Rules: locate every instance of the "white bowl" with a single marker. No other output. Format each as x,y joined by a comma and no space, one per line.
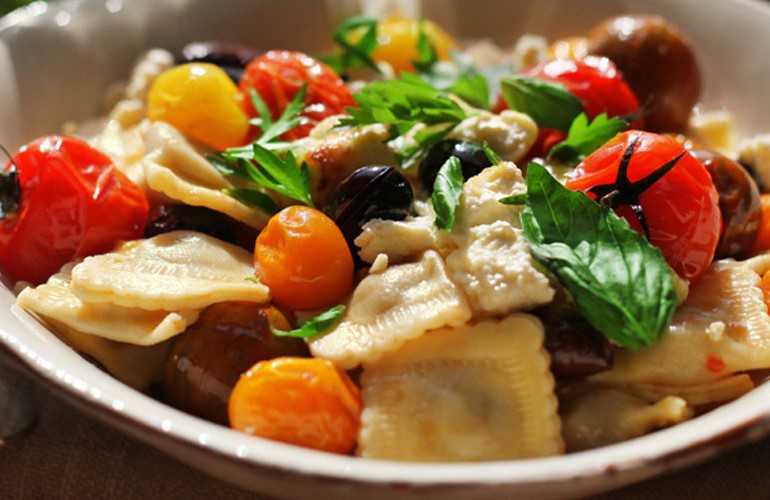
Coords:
56,62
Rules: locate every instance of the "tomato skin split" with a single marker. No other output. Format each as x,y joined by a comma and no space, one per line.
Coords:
681,208
74,203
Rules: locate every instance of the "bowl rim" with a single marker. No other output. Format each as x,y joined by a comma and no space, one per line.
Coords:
745,419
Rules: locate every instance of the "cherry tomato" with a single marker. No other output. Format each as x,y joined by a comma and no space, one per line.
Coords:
397,38
278,76
74,202
302,256
201,101
681,208
595,81
304,401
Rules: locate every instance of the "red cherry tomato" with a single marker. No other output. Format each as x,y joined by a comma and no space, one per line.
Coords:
279,74
681,208
595,81
74,203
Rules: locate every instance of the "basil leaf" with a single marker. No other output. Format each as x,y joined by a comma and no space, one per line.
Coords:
320,324
514,199
447,189
550,104
620,283
584,138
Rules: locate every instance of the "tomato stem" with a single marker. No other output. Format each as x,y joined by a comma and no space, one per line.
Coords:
625,192
10,189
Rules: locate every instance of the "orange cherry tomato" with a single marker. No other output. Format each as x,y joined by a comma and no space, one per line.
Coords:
302,256
278,76
308,402
681,208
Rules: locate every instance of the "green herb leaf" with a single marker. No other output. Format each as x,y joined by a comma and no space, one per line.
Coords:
254,198
514,199
447,189
289,119
584,138
320,324
356,54
550,104
620,283
426,51
492,156
402,104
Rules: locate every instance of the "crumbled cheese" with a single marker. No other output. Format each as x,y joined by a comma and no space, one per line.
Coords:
756,153
530,50
510,134
493,262
715,331
379,265
482,193
399,240
494,268
713,129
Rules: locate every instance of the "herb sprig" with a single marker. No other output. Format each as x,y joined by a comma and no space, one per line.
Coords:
358,53
315,326
585,137
549,104
403,104
447,189
259,164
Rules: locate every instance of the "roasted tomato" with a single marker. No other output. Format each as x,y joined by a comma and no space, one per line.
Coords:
596,82
279,75
679,211
63,199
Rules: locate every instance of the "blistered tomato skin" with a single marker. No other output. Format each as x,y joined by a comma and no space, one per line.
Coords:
302,256
306,402
74,203
681,208
278,75
201,101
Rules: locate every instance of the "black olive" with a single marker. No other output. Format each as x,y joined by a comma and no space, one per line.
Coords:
739,202
167,218
577,349
375,192
231,57
472,158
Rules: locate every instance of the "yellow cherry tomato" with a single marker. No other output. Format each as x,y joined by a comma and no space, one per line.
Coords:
397,38
202,102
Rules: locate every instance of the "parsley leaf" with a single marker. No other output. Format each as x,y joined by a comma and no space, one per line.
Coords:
550,104
584,138
319,324
620,283
447,189
402,104
254,198
268,170
354,54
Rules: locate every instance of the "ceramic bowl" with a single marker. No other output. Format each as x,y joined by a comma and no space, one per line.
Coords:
57,60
